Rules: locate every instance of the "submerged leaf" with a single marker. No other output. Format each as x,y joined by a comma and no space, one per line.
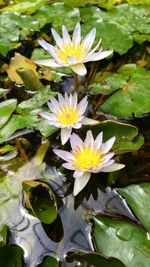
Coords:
40,201
11,256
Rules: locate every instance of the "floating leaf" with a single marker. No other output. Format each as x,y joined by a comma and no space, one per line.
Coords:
138,198
25,6
65,15
127,138
94,260
15,123
22,26
11,256
36,101
50,261
40,201
122,240
19,61
134,94
7,107
3,235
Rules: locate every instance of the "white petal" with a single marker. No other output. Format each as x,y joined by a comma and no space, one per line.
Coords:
88,121
81,182
93,50
100,55
53,123
108,145
78,174
98,140
67,156
53,108
77,125
61,100
65,134
113,167
89,39
47,62
89,140
48,116
75,141
82,105
48,47
68,166
57,38
76,37
107,158
71,60
65,34
54,102
80,69
75,100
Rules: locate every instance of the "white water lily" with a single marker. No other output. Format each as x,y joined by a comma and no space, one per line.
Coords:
73,52
66,114
90,156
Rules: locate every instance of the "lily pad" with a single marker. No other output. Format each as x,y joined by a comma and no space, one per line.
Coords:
7,107
94,260
24,6
11,256
134,94
127,138
36,101
50,261
138,198
22,25
122,240
40,201
3,235
19,61
65,15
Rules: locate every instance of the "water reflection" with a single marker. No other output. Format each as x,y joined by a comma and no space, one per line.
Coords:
28,232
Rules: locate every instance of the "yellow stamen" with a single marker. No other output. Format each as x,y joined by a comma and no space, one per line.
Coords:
87,158
68,116
72,51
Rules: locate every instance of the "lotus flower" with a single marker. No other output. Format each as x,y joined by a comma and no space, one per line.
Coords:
90,156
73,53
66,114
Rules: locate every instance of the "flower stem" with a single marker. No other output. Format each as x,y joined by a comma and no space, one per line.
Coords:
75,76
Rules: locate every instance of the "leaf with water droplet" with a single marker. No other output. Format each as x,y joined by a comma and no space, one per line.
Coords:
122,240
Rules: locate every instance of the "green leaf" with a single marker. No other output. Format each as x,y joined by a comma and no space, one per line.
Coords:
40,200
127,138
112,33
50,262
24,6
66,15
36,101
22,26
134,93
11,256
45,129
7,107
3,235
15,123
122,240
138,198
94,260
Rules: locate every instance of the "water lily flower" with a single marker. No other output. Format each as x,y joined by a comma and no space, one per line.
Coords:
90,156
73,52
66,114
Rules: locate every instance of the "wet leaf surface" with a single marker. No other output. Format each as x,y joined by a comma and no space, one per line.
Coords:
11,256
137,197
122,240
7,107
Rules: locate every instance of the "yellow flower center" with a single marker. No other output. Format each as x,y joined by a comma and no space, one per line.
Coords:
71,50
68,116
87,158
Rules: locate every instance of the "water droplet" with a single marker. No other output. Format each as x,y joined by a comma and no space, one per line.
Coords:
124,233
